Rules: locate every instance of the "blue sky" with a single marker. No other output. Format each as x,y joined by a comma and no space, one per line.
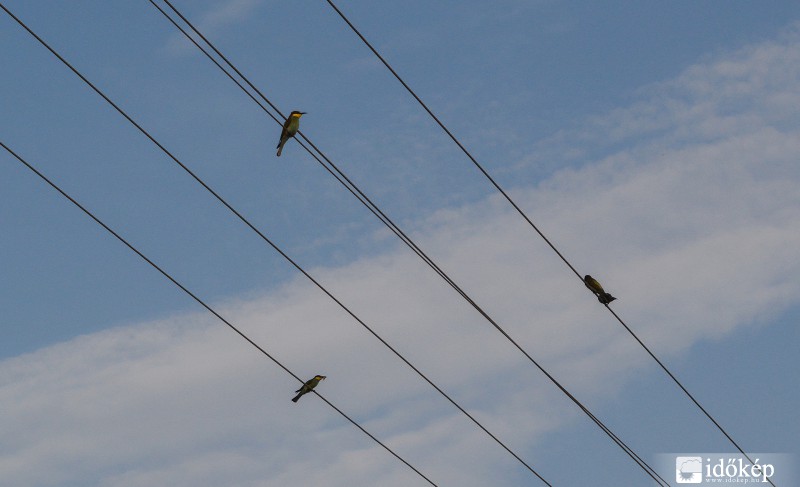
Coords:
655,143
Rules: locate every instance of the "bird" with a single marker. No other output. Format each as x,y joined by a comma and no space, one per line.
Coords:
290,127
307,387
597,289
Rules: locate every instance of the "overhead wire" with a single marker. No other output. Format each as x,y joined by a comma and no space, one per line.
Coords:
366,201
203,303
270,242
278,120
527,219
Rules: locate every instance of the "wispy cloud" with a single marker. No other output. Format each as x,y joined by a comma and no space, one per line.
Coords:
690,219
221,16
753,88
228,13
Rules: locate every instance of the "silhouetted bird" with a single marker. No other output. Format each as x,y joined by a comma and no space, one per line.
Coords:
597,289
306,388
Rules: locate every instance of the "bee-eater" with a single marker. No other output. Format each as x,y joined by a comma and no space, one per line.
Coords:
290,127
306,388
597,289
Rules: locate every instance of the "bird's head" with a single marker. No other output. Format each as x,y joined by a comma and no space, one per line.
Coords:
587,277
297,114
320,377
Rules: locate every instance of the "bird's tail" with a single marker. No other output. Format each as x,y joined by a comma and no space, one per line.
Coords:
297,397
280,148
606,298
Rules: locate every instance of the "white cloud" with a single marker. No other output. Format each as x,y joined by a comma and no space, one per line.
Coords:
692,223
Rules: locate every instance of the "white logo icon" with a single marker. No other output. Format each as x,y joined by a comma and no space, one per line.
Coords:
689,470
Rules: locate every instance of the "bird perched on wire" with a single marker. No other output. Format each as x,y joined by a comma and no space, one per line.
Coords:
290,127
597,289
307,387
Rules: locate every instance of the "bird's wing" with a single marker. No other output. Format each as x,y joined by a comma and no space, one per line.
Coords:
595,286
285,129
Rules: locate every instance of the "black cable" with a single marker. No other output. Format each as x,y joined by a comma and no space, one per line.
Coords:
681,386
203,303
522,213
268,241
366,201
333,170
278,119
452,137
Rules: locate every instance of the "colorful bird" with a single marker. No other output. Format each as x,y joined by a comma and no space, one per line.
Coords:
597,289
308,386
290,127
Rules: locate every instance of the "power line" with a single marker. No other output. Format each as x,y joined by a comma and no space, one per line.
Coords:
522,213
332,172
327,164
272,244
203,303
452,137
681,386
347,183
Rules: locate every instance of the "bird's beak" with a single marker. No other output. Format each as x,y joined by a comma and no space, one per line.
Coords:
323,377
303,113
